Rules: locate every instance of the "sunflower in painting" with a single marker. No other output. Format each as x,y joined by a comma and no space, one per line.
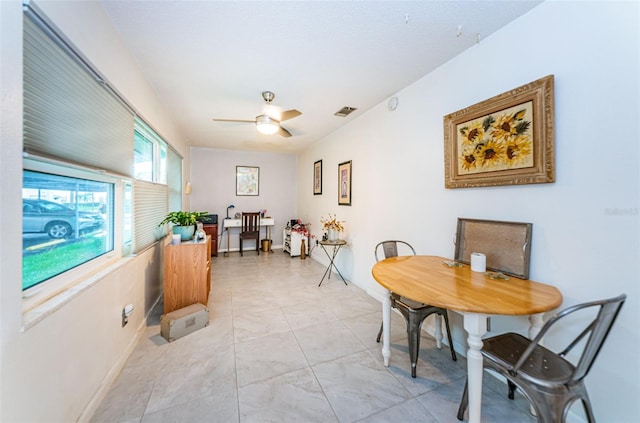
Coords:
518,150
497,142
472,133
491,154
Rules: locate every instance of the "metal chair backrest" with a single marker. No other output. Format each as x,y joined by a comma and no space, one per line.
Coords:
390,248
250,222
597,331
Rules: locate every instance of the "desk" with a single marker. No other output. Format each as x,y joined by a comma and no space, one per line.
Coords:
428,280
267,222
336,247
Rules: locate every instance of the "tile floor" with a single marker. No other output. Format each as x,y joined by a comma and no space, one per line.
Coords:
281,349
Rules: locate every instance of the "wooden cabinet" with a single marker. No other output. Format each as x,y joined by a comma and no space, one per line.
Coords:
212,229
292,242
187,274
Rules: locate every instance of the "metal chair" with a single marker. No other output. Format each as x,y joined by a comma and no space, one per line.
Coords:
549,381
414,312
250,230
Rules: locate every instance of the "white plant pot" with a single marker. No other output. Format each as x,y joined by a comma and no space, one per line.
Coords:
332,234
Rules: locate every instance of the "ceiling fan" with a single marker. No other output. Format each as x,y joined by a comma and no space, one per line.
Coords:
266,124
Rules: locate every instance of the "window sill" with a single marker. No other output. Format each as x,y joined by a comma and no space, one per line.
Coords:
33,316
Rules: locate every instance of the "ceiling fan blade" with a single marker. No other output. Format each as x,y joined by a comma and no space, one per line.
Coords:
234,120
289,114
283,132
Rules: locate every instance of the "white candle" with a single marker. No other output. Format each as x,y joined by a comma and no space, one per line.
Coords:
478,262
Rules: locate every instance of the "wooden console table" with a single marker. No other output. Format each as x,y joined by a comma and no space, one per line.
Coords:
187,274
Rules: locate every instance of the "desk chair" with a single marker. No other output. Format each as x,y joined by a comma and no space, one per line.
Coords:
414,312
549,381
250,230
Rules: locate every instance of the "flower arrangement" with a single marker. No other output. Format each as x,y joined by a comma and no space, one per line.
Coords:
262,212
332,223
302,228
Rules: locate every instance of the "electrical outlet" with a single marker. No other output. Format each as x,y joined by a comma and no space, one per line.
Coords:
126,312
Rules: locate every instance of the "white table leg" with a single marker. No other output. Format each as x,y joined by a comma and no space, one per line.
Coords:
535,324
438,332
476,326
386,325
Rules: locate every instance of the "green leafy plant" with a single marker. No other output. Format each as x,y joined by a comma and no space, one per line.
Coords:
183,218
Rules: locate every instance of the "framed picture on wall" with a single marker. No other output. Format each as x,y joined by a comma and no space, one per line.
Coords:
344,184
247,180
317,178
505,140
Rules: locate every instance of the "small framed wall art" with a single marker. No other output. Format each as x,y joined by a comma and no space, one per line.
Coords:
344,184
247,180
505,140
317,178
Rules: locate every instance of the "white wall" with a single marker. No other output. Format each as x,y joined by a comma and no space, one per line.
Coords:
213,180
585,225
53,370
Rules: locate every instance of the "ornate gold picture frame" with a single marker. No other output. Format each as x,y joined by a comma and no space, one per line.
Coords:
505,140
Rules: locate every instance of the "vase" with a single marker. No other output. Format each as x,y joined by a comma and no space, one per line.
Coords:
185,232
332,234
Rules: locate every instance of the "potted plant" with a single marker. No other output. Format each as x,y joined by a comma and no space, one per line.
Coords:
333,226
183,222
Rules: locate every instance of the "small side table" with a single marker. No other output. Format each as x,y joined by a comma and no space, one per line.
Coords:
336,247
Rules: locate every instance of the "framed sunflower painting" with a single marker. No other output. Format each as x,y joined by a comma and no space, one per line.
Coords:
505,140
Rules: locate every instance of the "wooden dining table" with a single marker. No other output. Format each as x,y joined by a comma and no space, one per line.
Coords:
444,283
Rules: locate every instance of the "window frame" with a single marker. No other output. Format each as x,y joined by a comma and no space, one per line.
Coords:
40,293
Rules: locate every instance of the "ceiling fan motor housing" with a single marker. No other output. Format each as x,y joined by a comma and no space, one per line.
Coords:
268,96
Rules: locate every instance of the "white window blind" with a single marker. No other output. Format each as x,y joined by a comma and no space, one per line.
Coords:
150,206
70,113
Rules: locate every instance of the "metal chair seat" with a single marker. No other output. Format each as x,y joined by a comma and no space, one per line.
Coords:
549,381
543,367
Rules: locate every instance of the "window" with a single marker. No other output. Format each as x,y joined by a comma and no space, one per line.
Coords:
127,219
82,209
143,158
150,154
66,222
154,166
72,195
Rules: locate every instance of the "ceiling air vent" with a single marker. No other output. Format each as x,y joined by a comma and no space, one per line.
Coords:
345,111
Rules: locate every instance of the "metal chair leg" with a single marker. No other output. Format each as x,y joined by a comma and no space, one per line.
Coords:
446,326
512,389
413,331
464,402
379,333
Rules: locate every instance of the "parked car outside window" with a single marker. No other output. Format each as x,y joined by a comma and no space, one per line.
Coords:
56,220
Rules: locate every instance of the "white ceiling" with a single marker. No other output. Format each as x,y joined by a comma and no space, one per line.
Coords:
209,59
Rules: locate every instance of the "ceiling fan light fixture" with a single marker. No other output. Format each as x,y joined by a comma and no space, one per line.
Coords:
267,125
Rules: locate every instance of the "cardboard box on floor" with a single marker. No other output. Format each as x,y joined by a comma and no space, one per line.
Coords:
184,321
